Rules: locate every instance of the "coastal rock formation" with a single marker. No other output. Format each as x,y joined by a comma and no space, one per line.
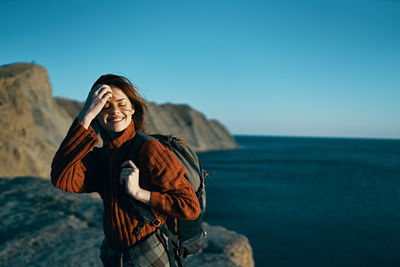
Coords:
189,124
34,123
224,249
43,226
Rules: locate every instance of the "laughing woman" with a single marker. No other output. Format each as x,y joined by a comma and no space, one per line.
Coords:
157,179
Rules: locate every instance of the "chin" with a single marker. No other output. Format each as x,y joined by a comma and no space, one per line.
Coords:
117,129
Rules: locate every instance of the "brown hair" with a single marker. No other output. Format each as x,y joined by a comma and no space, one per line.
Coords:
131,92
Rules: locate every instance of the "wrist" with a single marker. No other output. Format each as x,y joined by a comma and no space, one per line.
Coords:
143,196
85,119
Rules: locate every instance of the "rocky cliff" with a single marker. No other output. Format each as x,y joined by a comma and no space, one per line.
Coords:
191,125
33,123
43,226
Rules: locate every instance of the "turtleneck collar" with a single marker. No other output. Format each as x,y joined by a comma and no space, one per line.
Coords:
128,134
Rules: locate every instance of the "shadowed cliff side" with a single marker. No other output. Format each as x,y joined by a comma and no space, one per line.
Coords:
43,226
34,123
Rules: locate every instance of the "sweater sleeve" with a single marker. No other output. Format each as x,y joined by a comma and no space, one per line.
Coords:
173,194
74,167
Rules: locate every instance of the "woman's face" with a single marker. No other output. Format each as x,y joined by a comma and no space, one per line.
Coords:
116,114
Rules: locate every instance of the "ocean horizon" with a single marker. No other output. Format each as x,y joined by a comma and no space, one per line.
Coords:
235,136
309,201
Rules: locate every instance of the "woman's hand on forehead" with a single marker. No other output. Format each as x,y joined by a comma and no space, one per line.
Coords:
95,102
101,87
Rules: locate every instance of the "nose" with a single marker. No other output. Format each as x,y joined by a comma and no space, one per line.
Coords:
114,109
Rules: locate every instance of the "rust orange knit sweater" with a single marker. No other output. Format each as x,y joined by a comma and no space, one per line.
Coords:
80,167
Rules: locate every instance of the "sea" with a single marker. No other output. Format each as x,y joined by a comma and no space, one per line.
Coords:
309,201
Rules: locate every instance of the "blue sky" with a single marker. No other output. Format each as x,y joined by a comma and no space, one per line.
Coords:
297,68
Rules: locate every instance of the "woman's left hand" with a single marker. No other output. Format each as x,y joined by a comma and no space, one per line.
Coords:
130,177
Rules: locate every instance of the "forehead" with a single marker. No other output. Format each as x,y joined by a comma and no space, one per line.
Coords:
118,94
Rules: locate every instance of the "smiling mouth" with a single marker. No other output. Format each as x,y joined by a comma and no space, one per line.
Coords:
115,120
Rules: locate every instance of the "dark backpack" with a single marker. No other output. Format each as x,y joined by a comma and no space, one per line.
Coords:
185,237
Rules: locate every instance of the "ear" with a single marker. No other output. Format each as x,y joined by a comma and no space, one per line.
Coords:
133,109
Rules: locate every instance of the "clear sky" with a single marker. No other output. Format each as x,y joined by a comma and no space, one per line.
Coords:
302,68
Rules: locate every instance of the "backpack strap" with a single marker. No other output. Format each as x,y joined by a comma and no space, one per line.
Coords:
138,209
143,213
137,143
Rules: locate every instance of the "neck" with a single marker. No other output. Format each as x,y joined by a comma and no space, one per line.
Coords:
114,135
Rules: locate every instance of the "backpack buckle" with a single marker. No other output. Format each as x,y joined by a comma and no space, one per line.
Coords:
156,222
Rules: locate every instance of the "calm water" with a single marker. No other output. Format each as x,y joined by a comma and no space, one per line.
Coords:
310,201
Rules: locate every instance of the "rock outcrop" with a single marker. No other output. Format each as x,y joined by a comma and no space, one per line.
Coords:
43,226
224,249
34,123
189,124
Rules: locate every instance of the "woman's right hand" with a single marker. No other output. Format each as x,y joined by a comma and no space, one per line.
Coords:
95,101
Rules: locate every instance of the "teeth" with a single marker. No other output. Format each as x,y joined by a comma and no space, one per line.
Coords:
115,120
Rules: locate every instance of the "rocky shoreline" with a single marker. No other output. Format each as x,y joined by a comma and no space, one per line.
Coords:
43,226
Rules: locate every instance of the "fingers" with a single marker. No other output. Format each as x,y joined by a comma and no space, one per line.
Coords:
128,168
129,164
104,90
128,171
104,98
96,88
101,93
104,93
100,90
123,179
126,174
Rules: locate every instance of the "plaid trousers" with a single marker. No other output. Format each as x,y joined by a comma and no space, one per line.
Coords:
148,252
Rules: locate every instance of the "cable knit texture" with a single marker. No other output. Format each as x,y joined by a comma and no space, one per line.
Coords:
80,167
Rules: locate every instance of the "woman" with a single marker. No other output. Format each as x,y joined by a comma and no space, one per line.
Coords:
157,180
